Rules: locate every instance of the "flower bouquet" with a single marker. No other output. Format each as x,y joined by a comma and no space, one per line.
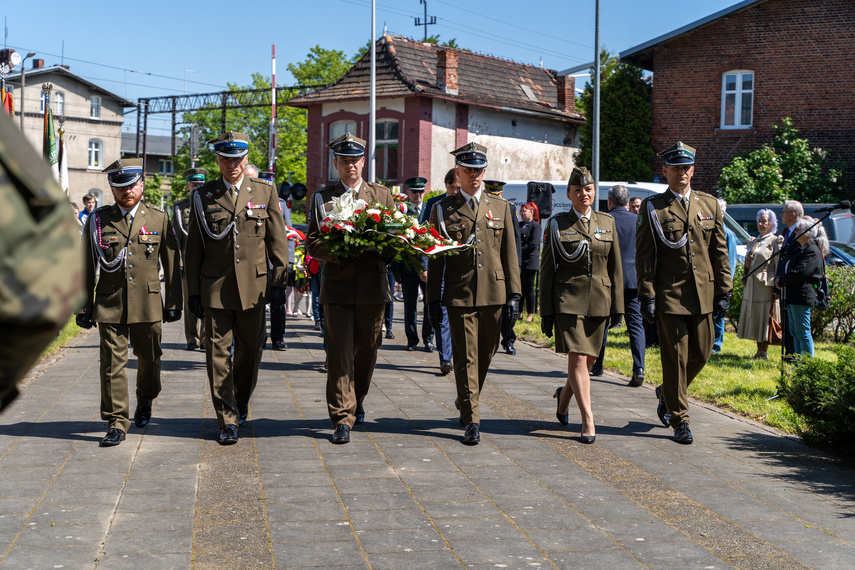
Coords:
354,226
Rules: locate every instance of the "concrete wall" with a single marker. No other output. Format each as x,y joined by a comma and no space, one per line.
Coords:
443,138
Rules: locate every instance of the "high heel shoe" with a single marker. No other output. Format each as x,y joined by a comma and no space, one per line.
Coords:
587,438
563,419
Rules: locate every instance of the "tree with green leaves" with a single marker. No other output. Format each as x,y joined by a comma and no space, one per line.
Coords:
786,169
626,152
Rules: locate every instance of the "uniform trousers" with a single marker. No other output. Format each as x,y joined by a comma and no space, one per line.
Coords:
353,336
145,338
278,319
635,328
194,328
410,286
474,341
232,379
685,343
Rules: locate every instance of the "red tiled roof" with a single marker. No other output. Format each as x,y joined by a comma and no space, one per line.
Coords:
407,67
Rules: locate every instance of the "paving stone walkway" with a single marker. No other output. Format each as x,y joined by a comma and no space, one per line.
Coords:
405,493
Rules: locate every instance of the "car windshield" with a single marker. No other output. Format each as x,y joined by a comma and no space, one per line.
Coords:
742,236
845,251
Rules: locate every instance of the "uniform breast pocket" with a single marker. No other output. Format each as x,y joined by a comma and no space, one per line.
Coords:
604,245
494,230
256,224
673,231
456,230
217,220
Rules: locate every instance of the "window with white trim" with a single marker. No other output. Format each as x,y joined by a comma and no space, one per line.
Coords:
386,131
95,150
59,103
164,166
95,107
737,99
337,129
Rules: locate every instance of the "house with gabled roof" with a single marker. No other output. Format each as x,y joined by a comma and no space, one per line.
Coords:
721,82
432,99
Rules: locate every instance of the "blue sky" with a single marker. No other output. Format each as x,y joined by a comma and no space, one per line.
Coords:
149,49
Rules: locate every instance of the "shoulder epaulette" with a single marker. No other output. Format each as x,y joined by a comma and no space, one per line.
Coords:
181,202
378,186
326,188
262,180
102,208
606,214
205,185
153,207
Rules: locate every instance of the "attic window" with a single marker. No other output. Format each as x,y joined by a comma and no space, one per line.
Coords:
528,93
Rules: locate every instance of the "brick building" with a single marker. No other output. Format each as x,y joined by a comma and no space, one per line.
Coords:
719,83
432,99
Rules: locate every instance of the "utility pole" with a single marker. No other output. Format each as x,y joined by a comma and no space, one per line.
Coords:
428,21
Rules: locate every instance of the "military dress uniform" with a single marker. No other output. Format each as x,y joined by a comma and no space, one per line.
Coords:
474,284
233,231
354,293
127,303
194,327
682,263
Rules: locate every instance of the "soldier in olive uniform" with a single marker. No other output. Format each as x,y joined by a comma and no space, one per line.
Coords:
124,242
194,328
354,293
475,284
41,264
581,288
235,226
683,280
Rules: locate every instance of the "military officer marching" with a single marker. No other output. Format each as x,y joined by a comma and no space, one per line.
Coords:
684,280
194,328
235,227
124,243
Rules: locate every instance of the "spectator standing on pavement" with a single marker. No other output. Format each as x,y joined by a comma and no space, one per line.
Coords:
475,284
581,291
194,327
124,243
235,228
530,234
625,223
354,293
441,331
793,211
803,269
758,293
732,244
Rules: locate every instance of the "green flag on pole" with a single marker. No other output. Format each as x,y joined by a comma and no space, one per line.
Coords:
50,148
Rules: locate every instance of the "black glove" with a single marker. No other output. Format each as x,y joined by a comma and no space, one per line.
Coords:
84,321
513,307
546,324
194,303
277,297
171,316
397,276
615,321
648,309
434,310
721,305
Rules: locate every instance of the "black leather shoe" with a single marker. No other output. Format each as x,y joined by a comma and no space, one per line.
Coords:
228,435
682,433
390,334
341,434
279,345
360,414
509,348
472,435
662,409
242,414
411,347
317,326
142,415
191,346
587,438
563,419
445,367
637,378
114,437
597,371
429,347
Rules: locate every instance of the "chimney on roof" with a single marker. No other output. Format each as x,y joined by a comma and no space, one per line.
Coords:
567,93
38,63
446,71
6,56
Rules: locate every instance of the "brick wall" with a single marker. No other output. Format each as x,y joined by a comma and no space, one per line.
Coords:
416,138
801,55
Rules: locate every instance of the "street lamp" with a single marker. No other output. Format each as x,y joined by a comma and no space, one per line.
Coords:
23,84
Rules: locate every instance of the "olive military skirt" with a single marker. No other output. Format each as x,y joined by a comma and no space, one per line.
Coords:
579,334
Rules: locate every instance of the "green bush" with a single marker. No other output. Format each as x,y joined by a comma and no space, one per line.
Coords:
823,394
736,296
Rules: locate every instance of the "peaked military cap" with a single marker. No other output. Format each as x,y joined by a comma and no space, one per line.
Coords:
266,175
471,155
195,174
124,172
580,177
494,187
416,183
231,145
347,145
678,154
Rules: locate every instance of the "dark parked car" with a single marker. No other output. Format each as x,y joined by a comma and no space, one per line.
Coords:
841,254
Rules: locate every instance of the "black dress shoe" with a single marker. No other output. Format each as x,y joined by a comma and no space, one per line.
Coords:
279,345
142,415
682,433
662,409
587,438
637,378
390,334
597,371
242,414
429,347
191,346
472,435
114,437
563,419
360,414
509,348
411,347
228,435
341,434
317,326
445,367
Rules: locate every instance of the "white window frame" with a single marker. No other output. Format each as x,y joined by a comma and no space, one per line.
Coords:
95,107
738,94
165,166
59,103
98,146
383,167
337,129
42,99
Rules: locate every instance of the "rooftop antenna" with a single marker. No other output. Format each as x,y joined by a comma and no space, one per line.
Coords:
428,21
